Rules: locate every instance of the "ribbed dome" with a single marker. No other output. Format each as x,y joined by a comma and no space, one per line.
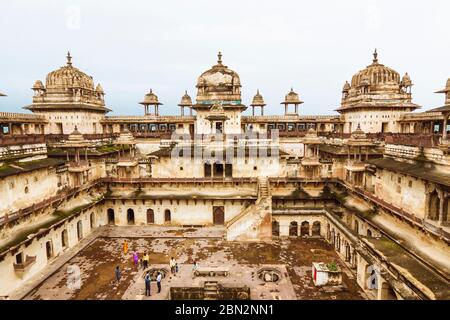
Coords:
150,99
375,74
67,88
69,77
185,100
258,99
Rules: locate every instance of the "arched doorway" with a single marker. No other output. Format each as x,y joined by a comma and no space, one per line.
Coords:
347,252
64,239
167,216
275,228
328,232
293,229
92,220
111,218
369,233
49,249
130,216
433,209
150,216
218,215
304,229
316,229
356,227
80,230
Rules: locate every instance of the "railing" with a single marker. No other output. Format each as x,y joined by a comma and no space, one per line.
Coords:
21,139
29,260
40,205
52,138
20,116
179,180
416,140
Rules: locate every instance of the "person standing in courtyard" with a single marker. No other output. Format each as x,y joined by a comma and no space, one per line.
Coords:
145,260
118,274
125,247
135,258
172,265
194,269
158,281
147,284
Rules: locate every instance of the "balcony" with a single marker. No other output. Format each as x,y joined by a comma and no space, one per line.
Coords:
127,162
22,268
352,165
80,166
311,161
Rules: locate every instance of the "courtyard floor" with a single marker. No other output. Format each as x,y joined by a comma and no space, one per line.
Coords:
97,261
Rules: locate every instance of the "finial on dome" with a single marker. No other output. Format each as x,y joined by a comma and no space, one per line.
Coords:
219,58
257,91
69,59
375,56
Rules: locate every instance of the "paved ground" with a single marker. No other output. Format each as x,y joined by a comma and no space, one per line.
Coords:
291,257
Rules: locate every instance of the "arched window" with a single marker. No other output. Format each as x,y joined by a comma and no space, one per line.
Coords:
316,229
92,220
64,239
293,229
275,228
80,230
49,249
304,229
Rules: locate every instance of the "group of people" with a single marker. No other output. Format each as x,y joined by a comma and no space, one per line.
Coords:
148,282
173,266
144,262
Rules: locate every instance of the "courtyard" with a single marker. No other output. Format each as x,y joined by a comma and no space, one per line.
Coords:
98,258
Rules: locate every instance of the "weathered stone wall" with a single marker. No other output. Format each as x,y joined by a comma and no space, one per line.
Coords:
402,191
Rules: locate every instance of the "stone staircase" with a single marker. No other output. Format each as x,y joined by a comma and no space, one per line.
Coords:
254,222
211,290
263,188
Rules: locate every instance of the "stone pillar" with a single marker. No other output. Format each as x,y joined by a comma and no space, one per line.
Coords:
444,127
441,206
284,230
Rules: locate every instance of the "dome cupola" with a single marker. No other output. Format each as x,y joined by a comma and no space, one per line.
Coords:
67,88
219,84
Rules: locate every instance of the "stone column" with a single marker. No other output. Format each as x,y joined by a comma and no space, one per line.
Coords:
444,126
441,206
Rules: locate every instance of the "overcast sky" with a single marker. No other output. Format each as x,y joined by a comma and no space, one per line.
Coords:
313,46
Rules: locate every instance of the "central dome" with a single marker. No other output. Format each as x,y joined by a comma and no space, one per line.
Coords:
69,77
375,75
219,85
